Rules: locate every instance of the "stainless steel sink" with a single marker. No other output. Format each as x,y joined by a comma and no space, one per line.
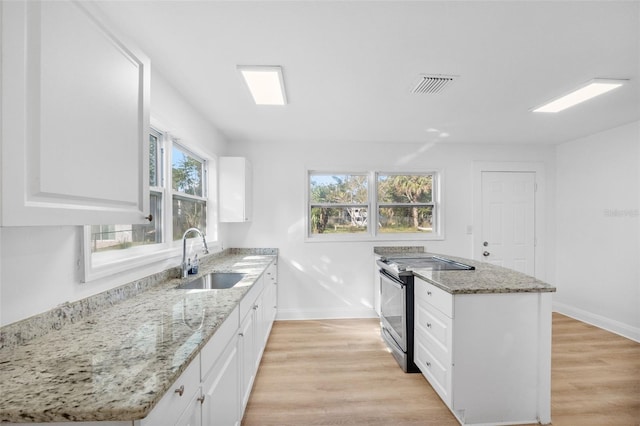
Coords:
213,281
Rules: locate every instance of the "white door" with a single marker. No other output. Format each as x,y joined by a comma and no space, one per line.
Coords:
508,220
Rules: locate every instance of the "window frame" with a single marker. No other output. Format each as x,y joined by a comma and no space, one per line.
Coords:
113,262
372,233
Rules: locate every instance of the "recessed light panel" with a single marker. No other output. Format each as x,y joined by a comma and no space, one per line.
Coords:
265,84
593,88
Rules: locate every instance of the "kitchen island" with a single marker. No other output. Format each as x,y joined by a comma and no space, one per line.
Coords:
482,339
117,363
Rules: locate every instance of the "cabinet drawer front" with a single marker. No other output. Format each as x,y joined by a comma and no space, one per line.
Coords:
434,296
218,342
437,374
434,328
249,300
177,398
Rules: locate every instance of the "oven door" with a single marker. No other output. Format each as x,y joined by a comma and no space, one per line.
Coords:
393,317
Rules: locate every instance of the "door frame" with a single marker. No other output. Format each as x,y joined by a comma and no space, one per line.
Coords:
539,207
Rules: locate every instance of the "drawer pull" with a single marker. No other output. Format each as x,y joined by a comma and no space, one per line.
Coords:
241,334
428,325
428,364
428,293
180,390
201,399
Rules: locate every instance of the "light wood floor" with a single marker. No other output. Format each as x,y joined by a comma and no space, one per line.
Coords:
338,372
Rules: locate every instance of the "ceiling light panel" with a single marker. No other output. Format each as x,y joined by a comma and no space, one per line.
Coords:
265,84
591,89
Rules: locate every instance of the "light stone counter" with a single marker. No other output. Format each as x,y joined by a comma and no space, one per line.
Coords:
117,363
486,278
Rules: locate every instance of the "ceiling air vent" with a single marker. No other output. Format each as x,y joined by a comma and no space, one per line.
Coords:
434,83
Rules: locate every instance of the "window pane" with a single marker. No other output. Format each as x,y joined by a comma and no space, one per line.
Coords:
338,220
340,189
118,237
187,214
405,188
153,160
405,219
186,172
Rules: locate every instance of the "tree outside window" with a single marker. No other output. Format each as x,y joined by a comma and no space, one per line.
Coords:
189,202
338,203
405,203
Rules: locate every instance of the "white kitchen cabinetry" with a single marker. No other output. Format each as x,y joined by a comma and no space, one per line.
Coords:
235,189
376,284
220,376
487,355
250,343
270,300
75,118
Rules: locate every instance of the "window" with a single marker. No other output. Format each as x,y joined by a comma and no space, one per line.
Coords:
178,201
189,197
373,205
338,203
405,203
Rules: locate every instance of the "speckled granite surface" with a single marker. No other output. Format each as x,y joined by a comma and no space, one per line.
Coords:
387,250
117,363
486,278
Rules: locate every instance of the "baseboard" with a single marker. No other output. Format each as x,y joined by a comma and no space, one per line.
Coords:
624,330
312,314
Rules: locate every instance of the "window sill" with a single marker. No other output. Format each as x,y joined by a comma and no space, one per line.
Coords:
364,238
97,267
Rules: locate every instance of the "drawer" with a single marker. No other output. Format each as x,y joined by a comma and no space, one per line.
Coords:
249,299
437,374
219,341
434,328
177,398
433,295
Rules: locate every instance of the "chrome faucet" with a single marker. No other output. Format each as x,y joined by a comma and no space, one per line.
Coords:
185,272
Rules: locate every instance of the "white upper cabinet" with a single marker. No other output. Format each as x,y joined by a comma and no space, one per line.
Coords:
235,189
75,118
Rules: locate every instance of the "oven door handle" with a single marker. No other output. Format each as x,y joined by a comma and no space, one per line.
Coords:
391,280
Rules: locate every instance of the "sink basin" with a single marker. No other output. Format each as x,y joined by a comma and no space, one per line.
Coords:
213,281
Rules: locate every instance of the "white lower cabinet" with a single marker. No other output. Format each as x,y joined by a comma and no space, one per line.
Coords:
488,356
221,389
169,410
192,415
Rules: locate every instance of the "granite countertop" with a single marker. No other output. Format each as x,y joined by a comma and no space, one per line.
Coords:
117,363
486,278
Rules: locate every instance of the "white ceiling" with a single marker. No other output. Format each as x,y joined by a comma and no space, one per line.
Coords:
349,66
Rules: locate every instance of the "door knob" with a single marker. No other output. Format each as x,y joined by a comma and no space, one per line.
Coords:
485,253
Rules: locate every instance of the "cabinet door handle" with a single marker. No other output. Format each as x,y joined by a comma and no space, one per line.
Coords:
201,399
428,293
180,390
428,325
255,307
428,364
241,334
149,218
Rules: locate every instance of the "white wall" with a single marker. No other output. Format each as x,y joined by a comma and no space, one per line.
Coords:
323,279
598,217
40,267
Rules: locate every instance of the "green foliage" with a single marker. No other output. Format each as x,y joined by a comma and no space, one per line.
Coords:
187,176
